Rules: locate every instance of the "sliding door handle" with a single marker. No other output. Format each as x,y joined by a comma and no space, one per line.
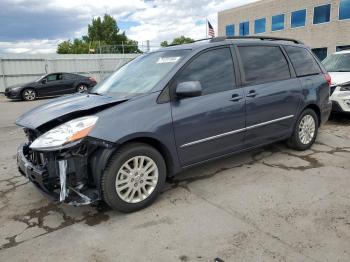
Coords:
251,93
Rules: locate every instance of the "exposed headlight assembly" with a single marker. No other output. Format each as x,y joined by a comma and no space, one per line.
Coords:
64,134
345,88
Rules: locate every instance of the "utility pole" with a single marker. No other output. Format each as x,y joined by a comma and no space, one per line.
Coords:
148,46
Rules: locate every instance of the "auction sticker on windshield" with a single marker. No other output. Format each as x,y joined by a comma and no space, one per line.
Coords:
164,60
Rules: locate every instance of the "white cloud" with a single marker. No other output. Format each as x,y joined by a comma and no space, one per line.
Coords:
156,20
30,47
174,18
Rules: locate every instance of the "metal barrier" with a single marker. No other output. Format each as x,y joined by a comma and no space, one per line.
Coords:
17,69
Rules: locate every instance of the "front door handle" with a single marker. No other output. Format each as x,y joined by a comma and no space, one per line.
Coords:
251,93
236,97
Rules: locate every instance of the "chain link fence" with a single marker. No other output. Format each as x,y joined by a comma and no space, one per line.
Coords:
125,49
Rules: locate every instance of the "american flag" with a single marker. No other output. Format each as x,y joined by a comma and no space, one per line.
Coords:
211,31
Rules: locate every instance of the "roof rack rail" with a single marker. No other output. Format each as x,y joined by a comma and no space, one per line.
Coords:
262,38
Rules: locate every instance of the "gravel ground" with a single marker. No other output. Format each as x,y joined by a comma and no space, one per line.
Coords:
270,204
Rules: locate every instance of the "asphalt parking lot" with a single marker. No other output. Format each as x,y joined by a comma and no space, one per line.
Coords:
270,204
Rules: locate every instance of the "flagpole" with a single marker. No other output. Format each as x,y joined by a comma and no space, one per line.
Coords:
206,27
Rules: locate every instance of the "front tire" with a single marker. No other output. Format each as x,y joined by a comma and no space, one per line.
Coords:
305,131
28,94
133,177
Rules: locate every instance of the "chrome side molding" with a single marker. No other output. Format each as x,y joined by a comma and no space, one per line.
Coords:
236,131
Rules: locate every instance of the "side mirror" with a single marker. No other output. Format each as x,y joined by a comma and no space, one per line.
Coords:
189,89
43,81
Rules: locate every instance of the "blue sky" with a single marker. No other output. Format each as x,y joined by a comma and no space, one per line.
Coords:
37,26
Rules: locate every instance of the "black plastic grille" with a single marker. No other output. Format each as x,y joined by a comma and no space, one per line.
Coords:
332,89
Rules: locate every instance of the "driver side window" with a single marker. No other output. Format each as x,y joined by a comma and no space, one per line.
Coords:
213,69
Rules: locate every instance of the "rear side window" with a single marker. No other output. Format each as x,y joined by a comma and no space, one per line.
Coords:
69,76
263,64
303,62
213,69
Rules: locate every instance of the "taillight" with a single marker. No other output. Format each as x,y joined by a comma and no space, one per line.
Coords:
328,78
93,79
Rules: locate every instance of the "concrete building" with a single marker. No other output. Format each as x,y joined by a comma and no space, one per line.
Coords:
324,25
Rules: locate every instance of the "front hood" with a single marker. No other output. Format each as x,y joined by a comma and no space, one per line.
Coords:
65,106
339,78
20,85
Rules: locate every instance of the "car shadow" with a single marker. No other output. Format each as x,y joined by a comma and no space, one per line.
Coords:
37,99
340,119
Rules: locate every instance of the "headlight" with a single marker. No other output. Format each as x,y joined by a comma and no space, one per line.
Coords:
345,88
65,133
15,88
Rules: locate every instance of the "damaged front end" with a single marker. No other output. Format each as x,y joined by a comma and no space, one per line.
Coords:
69,175
59,157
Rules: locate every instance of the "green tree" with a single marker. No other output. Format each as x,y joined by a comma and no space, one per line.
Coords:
178,41
65,47
103,36
164,44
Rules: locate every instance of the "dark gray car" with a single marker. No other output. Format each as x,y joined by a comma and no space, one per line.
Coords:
54,84
169,110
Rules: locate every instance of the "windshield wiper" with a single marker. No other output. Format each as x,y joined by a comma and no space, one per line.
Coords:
340,70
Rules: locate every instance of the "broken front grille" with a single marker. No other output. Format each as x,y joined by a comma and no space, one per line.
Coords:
34,157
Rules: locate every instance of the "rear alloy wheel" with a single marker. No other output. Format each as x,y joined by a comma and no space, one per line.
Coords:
307,128
82,88
28,94
133,177
305,132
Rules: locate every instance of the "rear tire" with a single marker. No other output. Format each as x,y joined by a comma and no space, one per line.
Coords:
305,131
28,94
133,177
81,88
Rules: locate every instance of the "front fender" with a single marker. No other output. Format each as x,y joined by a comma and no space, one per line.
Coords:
139,118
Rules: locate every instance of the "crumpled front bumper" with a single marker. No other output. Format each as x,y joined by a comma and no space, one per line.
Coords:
36,175
53,179
341,101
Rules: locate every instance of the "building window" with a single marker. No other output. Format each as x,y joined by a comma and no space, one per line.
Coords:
298,18
230,30
343,47
322,14
277,22
321,53
260,26
344,9
244,28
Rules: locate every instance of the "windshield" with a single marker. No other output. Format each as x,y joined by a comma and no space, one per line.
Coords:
38,79
141,74
337,63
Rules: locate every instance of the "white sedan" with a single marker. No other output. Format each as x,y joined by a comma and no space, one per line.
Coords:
338,66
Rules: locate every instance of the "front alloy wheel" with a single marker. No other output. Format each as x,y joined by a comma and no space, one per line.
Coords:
136,179
28,95
133,177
